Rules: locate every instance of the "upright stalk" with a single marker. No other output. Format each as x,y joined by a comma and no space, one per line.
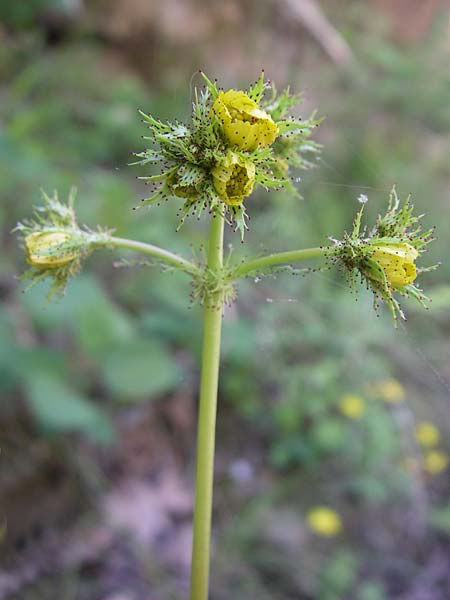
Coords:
212,326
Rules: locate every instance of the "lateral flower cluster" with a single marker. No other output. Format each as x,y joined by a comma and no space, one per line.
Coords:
55,245
385,257
235,141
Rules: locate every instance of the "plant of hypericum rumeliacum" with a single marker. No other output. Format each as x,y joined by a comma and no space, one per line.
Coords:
236,140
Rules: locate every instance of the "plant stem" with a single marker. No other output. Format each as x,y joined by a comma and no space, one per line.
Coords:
279,258
212,325
164,255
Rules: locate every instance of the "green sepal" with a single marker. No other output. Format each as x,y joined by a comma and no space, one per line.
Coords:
256,91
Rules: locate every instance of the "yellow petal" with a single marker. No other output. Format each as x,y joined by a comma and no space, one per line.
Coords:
401,250
244,124
234,179
46,249
397,262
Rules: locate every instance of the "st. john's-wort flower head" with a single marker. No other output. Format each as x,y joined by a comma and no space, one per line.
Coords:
192,158
385,257
55,244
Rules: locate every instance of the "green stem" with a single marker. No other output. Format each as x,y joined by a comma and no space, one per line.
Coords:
164,255
212,325
271,260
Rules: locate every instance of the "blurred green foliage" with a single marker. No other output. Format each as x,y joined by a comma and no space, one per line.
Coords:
22,15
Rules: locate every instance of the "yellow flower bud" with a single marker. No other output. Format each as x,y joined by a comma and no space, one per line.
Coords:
244,124
397,262
45,249
427,434
234,179
352,406
435,461
324,521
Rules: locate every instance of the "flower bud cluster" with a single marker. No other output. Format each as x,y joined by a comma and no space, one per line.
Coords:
55,244
385,257
235,141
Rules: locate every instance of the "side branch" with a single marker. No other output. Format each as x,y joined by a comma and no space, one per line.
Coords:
166,256
279,258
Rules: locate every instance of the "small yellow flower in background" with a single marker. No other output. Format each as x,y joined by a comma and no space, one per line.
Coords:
390,390
46,250
427,434
435,461
244,124
324,521
397,262
234,179
352,406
